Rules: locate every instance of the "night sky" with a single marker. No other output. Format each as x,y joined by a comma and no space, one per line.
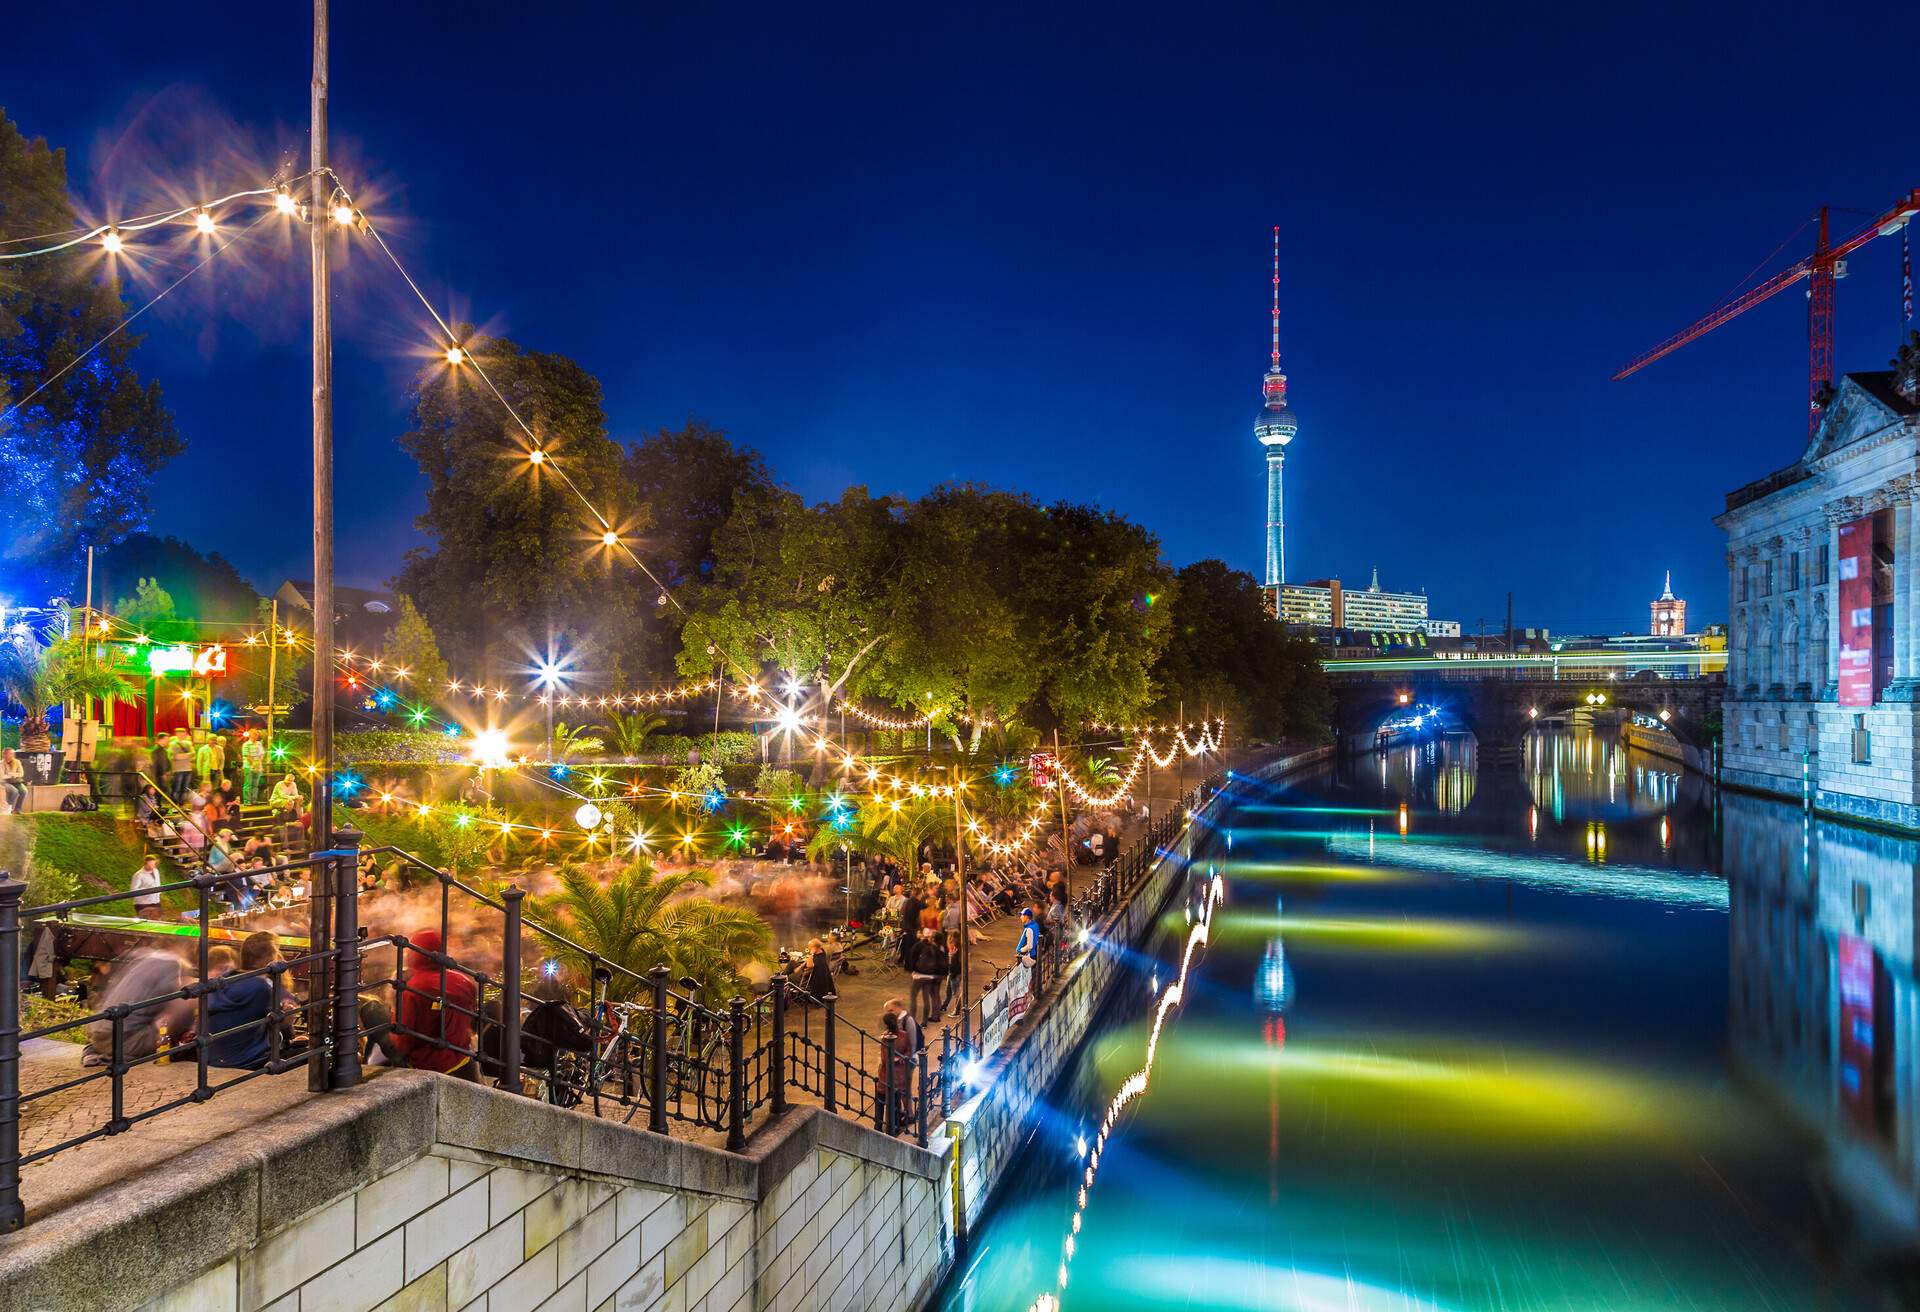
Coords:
904,244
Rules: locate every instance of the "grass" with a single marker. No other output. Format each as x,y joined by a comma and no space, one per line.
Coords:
98,852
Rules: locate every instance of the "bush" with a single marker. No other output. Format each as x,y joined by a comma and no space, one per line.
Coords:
365,747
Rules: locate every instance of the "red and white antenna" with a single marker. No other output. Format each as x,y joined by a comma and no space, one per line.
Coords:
1276,298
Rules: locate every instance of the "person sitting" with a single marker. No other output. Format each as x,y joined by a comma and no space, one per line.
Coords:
148,981
438,1005
146,810
239,1014
819,971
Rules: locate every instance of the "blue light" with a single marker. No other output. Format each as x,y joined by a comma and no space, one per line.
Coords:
1004,775
715,800
453,731
559,770
346,784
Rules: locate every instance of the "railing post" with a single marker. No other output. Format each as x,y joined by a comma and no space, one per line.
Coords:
12,1213
510,991
946,1069
920,1107
203,889
657,1108
320,970
777,1078
833,1070
737,1074
344,1068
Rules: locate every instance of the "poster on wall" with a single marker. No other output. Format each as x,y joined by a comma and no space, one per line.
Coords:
1855,566
1856,1031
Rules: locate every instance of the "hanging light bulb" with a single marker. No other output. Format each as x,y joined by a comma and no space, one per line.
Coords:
343,214
609,539
283,200
110,241
537,456
457,356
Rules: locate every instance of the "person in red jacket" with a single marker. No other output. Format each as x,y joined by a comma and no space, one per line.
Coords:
430,997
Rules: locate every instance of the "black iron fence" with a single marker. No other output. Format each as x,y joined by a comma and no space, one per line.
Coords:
646,1048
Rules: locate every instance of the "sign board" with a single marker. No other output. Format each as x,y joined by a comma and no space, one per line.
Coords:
1855,566
1857,1094
1003,1004
204,662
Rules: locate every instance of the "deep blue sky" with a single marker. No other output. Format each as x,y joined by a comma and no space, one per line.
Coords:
901,244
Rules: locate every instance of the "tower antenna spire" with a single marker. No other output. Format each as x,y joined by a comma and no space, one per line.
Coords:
1276,298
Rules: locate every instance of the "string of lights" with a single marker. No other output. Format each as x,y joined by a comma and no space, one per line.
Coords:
201,216
1208,741
1131,1088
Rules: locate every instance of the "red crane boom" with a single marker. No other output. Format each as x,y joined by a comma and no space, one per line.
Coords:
1821,267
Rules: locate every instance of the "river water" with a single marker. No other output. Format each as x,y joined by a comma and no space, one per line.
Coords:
1566,1035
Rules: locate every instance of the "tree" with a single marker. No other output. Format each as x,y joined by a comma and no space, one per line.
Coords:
805,590
511,531
630,733
209,586
689,480
414,649
39,678
642,918
78,454
1226,656
150,611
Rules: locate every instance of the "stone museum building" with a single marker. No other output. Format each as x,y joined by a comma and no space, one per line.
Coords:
1823,573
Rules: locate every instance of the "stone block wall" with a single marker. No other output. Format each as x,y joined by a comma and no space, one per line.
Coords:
1768,743
441,1195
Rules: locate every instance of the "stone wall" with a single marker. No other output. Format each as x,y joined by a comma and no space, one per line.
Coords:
417,1192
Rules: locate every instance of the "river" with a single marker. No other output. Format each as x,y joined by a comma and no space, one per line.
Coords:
1565,1036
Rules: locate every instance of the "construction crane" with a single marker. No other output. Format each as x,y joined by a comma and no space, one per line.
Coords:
1827,262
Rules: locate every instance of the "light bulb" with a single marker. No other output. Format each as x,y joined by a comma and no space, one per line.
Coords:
537,456
609,538
203,222
455,355
283,201
110,240
343,214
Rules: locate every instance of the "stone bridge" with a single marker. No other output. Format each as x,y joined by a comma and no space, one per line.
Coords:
1500,705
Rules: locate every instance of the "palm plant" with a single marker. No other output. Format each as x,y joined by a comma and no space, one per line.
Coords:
630,733
570,740
41,678
1102,774
641,918
895,829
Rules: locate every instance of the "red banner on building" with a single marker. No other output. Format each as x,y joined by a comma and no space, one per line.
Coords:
1857,1094
1856,612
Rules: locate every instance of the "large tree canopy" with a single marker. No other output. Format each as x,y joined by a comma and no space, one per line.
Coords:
517,563
1226,657
78,453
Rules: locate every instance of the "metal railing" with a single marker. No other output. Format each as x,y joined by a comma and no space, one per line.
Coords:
644,1047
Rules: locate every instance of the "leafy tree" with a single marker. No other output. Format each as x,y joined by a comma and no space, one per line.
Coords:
508,530
414,648
207,587
642,918
571,740
689,479
805,590
1226,656
77,452
150,611
39,678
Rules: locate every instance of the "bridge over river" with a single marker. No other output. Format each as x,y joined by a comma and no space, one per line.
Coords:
1500,698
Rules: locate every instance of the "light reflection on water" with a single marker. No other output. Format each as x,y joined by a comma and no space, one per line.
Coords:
1498,1063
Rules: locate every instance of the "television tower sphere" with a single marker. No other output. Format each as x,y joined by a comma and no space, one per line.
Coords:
1276,425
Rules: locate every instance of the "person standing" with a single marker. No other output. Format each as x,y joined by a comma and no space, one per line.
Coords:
910,908
929,966
948,1001
217,744
253,765
179,765
1027,947
146,889
204,769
